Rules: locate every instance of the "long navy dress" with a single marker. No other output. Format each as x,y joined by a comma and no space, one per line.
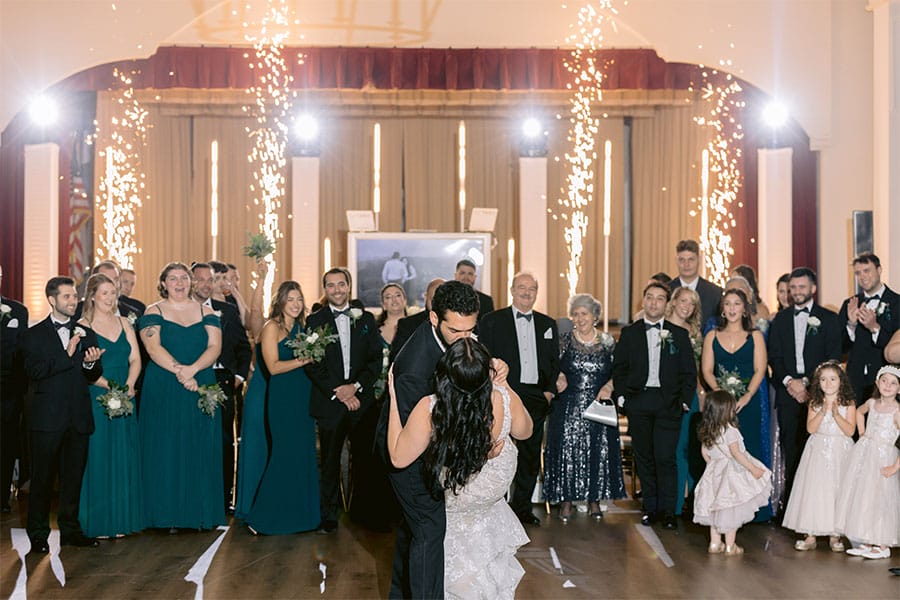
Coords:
582,458
181,446
287,500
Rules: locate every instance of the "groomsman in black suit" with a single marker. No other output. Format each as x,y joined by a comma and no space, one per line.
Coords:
801,338
418,570
343,383
13,323
231,367
466,273
687,256
654,374
528,342
127,280
407,325
868,320
60,360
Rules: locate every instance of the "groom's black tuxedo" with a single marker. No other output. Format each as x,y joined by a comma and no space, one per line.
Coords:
865,353
61,421
654,413
334,420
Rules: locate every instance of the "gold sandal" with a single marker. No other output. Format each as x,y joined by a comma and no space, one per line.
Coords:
733,550
716,548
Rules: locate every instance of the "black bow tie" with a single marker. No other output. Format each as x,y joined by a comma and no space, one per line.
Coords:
523,316
649,326
875,297
797,311
66,325
345,312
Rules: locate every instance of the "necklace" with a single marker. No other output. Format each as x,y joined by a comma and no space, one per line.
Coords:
591,342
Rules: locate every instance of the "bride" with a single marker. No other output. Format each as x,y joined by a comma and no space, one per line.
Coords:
462,433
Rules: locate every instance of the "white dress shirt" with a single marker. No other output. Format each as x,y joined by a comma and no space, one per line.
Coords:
527,347
801,321
342,322
654,347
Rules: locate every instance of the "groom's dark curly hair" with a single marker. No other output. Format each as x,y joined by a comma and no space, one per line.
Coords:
461,419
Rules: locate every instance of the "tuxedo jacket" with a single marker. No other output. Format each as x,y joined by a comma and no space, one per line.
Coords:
865,355
327,374
485,304
12,371
677,368
497,331
60,382
236,352
405,328
820,346
710,295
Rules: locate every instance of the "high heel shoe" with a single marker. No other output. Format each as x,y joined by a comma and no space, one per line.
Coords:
716,548
804,545
836,544
565,512
596,512
733,550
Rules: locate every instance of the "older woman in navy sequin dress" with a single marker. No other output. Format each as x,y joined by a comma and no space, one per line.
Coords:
582,458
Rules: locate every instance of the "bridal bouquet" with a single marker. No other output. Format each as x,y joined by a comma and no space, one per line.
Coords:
260,246
731,382
312,344
211,397
116,402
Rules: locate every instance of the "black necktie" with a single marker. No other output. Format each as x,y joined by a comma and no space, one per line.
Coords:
649,326
521,316
797,311
345,312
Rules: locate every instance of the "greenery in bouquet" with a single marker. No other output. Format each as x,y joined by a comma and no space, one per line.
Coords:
260,246
116,402
211,398
312,344
731,382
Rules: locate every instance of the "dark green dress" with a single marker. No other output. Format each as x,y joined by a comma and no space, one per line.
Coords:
254,449
112,500
181,453
287,500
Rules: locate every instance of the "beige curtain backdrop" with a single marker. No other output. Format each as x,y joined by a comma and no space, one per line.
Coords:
666,152
430,173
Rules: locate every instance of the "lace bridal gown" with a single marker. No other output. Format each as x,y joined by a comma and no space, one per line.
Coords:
483,533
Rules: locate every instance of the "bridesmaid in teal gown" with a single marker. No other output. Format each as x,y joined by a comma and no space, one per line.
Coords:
254,449
181,446
111,491
736,346
287,499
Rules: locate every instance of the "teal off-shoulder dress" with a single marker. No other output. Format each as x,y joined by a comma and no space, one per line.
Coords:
181,447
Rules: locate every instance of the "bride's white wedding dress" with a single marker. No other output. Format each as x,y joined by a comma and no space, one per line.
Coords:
483,533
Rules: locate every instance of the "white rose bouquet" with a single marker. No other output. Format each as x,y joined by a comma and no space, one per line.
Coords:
312,344
731,382
116,402
211,398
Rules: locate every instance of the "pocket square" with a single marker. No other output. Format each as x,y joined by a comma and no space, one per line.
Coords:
13,323
548,335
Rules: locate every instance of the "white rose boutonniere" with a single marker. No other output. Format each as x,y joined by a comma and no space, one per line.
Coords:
666,341
217,313
5,310
355,314
132,318
883,310
812,325
79,332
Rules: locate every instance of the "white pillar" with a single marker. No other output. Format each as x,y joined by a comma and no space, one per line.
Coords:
40,256
306,262
531,242
775,238
886,126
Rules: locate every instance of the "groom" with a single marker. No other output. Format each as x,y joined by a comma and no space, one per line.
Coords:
418,570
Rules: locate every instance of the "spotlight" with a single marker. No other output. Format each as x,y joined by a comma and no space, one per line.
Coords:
43,111
306,128
533,138
531,128
775,114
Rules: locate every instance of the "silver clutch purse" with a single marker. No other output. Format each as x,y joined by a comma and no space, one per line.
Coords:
602,411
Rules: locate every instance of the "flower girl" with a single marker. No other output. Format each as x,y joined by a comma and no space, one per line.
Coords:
831,422
735,485
868,508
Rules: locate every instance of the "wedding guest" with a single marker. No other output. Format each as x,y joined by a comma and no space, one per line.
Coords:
14,322
582,458
60,361
407,325
233,292
687,255
868,320
231,368
127,281
801,338
343,384
125,306
287,499
466,272
112,500
654,375
181,452
528,342
761,310
684,310
783,290
734,359
660,277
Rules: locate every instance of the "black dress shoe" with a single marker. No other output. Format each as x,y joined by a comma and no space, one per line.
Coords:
528,519
648,518
80,541
895,570
669,521
327,526
39,547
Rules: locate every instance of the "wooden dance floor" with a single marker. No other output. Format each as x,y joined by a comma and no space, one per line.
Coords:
615,558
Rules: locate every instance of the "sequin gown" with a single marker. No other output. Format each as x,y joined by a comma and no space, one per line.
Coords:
483,533
582,458
812,506
869,505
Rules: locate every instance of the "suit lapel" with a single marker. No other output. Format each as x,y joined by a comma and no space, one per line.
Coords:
513,330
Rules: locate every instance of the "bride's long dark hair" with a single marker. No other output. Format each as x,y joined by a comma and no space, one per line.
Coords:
461,419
